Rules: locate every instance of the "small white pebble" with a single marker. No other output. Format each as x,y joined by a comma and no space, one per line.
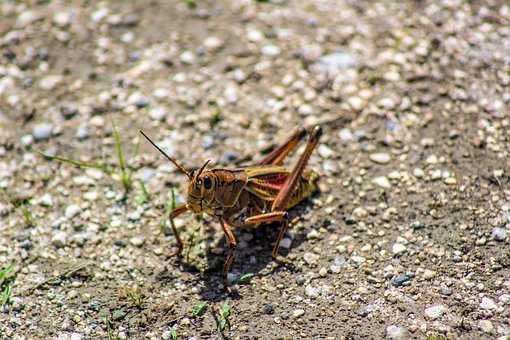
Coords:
285,243
325,151
418,173
380,158
310,258
486,326
59,240
398,248
488,303
137,241
187,57
312,234
323,272
72,210
46,200
297,313
434,312
311,292
382,181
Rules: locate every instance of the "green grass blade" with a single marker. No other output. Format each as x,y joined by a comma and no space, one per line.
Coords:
125,173
224,313
5,272
199,309
173,334
79,164
245,278
6,295
118,147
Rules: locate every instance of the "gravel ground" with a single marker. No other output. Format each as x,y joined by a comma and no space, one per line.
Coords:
408,238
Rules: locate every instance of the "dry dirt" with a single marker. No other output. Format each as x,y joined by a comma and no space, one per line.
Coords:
408,237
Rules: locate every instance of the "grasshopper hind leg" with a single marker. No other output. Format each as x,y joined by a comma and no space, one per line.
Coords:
284,196
278,155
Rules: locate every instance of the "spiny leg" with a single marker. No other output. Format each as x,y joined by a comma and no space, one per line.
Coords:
176,212
277,156
289,186
275,216
232,244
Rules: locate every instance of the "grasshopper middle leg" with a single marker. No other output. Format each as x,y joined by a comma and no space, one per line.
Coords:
232,245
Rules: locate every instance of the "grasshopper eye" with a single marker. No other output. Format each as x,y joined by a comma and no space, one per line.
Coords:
207,183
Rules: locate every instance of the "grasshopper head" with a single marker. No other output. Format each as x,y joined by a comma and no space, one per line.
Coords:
200,186
201,189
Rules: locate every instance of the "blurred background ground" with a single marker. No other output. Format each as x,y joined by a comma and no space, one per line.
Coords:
407,239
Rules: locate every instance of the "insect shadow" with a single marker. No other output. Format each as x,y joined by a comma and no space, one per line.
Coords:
253,259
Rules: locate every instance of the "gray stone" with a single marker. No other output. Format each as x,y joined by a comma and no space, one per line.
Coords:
72,210
398,248
499,234
332,64
382,181
59,240
486,326
312,234
82,132
158,113
325,151
285,243
27,140
99,15
380,158
400,280
42,131
312,292
187,57
397,332
271,50
48,83
46,200
345,135
63,19
298,313
76,336
435,312
310,258
213,43
231,94
488,303
26,18
338,263
137,241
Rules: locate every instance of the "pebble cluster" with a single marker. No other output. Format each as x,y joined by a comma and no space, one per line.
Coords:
409,237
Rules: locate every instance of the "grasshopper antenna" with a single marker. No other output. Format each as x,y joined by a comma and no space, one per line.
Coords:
203,167
180,167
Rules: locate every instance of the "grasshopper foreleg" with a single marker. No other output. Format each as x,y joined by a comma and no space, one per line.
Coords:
176,212
232,245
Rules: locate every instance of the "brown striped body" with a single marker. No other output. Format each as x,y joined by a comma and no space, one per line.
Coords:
252,195
238,194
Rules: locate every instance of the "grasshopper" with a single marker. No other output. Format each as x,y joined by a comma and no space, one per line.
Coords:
250,195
